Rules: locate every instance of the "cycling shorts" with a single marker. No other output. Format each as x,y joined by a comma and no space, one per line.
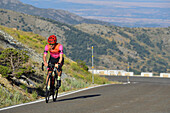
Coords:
54,61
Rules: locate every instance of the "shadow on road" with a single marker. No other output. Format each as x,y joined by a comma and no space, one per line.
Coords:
79,97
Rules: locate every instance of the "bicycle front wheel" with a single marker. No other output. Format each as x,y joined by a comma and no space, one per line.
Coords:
47,94
55,90
55,94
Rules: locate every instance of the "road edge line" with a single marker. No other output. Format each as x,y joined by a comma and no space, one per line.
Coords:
60,95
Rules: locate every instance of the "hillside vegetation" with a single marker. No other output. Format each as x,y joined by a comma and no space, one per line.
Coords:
29,85
146,49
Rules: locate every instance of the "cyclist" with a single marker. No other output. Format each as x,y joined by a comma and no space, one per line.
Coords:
56,57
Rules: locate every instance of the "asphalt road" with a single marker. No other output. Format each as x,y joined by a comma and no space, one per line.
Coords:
136,97
138,79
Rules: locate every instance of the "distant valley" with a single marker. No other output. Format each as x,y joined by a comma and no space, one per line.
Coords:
124,13
57,15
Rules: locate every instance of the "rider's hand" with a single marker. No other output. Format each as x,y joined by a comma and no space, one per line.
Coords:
56,65
46,64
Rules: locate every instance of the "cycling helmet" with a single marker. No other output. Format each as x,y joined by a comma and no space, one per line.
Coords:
52,39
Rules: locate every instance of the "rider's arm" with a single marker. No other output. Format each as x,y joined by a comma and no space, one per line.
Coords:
61,57
61,54
45,56
45,60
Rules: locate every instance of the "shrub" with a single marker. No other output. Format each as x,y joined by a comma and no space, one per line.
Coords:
4,71
14,59
82,64
34,95
75,67
23,86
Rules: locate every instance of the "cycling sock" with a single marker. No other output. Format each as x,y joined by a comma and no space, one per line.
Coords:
58,83
48,87
59,78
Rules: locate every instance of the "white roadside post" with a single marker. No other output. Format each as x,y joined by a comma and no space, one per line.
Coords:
128,80
92,67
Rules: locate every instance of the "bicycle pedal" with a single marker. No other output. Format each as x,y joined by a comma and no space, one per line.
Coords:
51,90
51,93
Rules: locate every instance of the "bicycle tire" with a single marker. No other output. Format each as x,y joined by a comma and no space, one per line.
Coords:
55,90
55,94
47,94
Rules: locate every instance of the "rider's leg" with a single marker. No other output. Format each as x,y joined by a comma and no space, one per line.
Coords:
59,78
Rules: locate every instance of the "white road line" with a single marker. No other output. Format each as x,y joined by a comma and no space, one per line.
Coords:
61,95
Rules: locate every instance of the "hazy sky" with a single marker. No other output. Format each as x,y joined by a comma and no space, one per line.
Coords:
102,3
111,10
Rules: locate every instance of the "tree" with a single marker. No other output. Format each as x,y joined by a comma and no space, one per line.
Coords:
14,60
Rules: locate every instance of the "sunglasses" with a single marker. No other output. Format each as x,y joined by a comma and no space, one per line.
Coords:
52,44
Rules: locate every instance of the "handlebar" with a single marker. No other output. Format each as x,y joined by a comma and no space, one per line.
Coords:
51,65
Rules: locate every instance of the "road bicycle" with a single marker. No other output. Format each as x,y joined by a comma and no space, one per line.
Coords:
52,78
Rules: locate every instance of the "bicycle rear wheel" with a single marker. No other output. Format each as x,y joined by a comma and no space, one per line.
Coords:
47,94
55,94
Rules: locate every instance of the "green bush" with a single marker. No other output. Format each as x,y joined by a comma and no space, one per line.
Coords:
66,61
75,67
4,71
14,59
82,64
23,86
34,95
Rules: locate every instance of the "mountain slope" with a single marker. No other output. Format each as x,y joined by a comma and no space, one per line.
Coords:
147,49
30,86
58,15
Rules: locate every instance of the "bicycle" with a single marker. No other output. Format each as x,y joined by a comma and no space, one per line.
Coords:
53,90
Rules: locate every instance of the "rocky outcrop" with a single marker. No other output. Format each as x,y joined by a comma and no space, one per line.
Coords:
7,41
